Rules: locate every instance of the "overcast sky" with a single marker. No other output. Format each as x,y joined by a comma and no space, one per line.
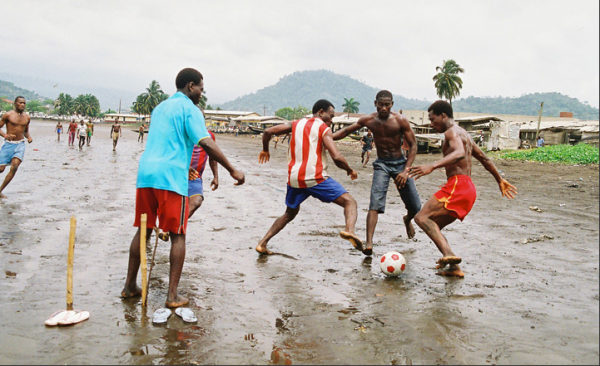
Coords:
507,48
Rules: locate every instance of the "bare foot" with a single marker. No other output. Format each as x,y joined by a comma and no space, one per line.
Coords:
368,249
352,238
262,249
179,301
450,259
410,229
127,294
452,272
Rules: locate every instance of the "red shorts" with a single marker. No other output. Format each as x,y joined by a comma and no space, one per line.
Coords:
458,195
170,208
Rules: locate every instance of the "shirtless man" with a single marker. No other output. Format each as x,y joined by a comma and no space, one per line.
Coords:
368,143
456,198
17,131
89,131
142,132
389,130
307,171
116,132
72,132
58,129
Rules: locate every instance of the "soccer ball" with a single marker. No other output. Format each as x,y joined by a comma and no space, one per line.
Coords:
392,264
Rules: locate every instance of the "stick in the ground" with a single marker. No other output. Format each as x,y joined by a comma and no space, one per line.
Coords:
143,262
70,264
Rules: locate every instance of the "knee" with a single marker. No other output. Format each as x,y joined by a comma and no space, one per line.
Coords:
291,214
420,219
14,168
2,168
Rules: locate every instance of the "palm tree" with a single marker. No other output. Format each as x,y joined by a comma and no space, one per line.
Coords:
146,102
351,105
203,100
64,104
447,81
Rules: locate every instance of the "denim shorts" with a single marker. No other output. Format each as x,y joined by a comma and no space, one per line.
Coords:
12,150
383,171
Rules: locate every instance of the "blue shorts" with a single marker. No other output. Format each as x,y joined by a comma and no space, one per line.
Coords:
383,171
11,150
195,188
327,191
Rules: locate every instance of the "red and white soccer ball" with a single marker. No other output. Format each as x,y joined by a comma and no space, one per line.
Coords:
392,264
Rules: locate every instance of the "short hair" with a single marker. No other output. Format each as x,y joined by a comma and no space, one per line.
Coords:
440,107
323,104
20,97
188,75
384,94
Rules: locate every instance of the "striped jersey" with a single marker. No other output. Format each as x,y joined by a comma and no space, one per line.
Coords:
307,160
199,157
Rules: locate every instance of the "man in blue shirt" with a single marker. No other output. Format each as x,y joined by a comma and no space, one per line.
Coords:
162,182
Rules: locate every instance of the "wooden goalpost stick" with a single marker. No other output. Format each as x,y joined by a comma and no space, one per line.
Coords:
70,264
144,265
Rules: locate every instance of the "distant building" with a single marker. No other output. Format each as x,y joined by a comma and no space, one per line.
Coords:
126,118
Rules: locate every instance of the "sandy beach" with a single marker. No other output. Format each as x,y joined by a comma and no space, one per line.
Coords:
530,295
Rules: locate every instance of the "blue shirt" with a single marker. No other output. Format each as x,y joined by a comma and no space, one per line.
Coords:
176,126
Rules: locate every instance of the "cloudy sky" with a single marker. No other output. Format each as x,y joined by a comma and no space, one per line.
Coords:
507,48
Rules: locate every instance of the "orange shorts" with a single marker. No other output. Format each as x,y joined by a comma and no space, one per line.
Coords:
458,195
170,208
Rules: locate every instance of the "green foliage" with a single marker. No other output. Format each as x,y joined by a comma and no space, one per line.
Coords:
146,102
10,91
84,104
292,114
564,154
350,105
447,81
306,87
64,105
528,105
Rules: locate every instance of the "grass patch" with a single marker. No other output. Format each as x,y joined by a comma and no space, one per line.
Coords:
563,154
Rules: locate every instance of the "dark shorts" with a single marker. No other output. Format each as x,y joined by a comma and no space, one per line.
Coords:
327,191
383,171
367,149
170,208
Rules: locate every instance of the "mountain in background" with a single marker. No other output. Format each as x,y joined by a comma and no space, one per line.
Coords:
306,87
108,97
10,91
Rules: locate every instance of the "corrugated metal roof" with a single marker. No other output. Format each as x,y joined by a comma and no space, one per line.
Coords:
478,119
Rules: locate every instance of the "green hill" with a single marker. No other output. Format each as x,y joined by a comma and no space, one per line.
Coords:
306,87
10,91
528,104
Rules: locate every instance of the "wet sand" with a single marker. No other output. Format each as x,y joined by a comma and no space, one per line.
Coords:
521,302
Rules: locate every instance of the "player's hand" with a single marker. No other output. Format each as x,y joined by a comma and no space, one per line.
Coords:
508,190
239,177
419,171
214,185
401,179
10,137
193,174
263,157
30,140
353,175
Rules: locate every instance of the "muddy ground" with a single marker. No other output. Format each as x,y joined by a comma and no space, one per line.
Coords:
521,302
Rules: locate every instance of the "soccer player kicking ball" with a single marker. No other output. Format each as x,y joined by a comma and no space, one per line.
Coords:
308,171
456,198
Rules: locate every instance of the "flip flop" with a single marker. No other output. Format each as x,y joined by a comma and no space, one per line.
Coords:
186,314
352,238
67,317
161,316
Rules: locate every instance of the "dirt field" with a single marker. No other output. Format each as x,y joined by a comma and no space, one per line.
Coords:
522,301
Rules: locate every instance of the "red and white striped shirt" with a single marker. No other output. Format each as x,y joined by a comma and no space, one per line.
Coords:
307,161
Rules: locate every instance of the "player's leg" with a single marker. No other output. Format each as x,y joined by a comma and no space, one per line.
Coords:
351,215
379,189
367,159
412,202
14,166
131,288
177,258
195,203
289,215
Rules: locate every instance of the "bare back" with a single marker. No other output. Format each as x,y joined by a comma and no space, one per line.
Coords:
388,134
455,138
17,125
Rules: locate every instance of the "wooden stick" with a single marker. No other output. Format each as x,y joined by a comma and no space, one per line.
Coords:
143,260
70,264
153,255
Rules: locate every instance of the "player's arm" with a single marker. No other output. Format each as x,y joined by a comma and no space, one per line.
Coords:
282,129
508,190
26,132
336,156
214,167
3,121
411,140
344,132
457,154
214,152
